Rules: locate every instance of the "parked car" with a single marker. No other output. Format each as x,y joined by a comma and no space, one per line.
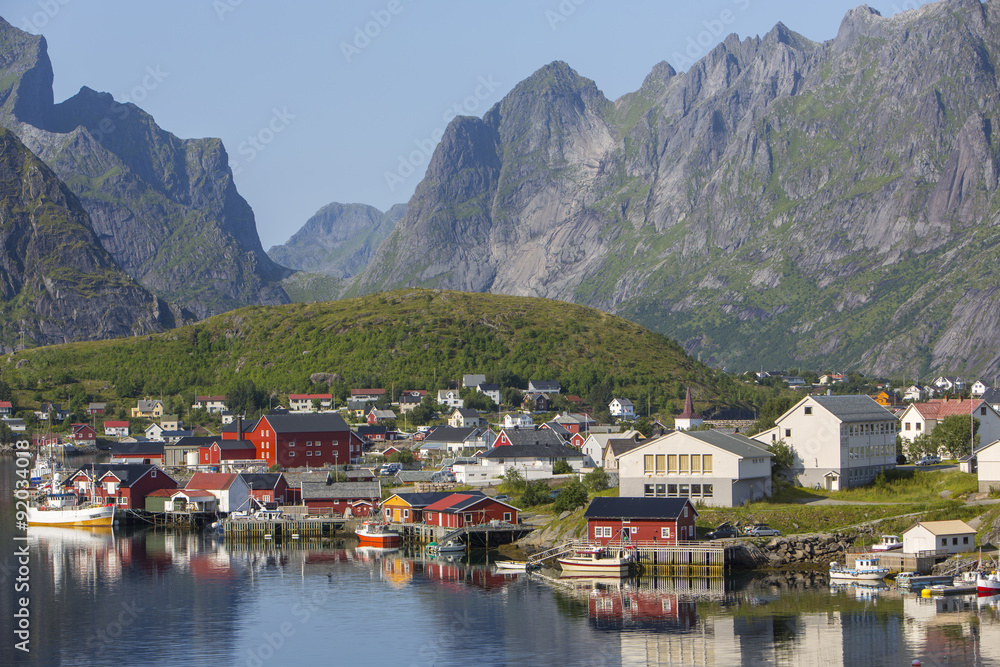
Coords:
503,497
928,461
725,530
900,460
763,530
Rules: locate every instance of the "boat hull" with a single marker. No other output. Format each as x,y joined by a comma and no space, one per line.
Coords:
377,538
858,576
76,516
610,566
988,586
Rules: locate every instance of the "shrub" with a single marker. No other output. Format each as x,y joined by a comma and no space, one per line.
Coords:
596,480
535,493
571,496
561,468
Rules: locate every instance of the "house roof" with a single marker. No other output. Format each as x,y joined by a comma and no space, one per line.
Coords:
370,430
544,451
261,481
953,527
384,414
296,479
310,397
734,443
367,392
853,408
146,406
412,476
248,425
193,441
192,494
128,473
211,480
689,412
456,502
5,404
422,500
110,424
637,508
532,436
452,434
484,387
939,408
621,445
543,385
316,422
991,396
140,447
557,428
467,413
322,491
624,402
203,399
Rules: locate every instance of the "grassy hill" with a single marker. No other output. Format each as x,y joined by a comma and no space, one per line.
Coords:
413,338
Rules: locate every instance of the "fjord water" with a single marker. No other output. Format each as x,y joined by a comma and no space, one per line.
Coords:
155,598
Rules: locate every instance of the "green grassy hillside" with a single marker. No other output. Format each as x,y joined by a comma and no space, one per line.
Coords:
414,338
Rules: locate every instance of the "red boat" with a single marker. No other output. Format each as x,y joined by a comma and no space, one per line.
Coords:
377,534
988,584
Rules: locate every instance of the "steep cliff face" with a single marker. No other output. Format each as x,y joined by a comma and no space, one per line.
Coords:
166,209
57,284
338,240
782,202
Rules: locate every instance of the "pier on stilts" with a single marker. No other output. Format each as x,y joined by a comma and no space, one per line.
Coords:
253,530
688,559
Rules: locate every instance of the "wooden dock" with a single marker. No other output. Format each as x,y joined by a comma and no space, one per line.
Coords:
257,530
485,536
692,559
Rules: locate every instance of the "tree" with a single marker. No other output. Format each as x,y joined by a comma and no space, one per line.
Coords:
423,413
952,435
782,457
535,493
773,408
919,446
245,398
402,456
571,496
561,467
596,480
644,426
6,435
275,467
513,481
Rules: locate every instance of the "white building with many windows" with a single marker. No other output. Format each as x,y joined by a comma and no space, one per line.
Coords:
719,469
838,441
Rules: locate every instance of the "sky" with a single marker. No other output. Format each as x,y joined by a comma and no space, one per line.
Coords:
320,102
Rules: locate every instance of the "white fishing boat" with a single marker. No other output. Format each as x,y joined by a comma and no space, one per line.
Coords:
377,534
988,584
63,509
514,565
888,543
595,559
866,568
450,546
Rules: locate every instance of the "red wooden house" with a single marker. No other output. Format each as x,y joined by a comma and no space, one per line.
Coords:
577,439
83,435
652,520
125,485
270,488
219,452
461,509
301,440
354,498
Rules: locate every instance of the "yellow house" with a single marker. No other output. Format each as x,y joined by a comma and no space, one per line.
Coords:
398,509
147,409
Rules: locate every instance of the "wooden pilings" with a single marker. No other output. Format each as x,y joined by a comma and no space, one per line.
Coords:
697,560
268,530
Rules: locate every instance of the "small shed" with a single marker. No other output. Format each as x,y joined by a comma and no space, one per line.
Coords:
650,520
940,537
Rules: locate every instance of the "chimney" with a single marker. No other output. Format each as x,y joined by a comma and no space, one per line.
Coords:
239,427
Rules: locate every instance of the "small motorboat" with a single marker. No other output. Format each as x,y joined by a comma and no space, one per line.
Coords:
514,565
888,543
988,584
451,546
377,534
866,568
595,559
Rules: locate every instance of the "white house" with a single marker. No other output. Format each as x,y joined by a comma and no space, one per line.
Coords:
622,408
979,388
518,420
154,432
716,468
214,404
464,418
941,537
306,402
838,441
231,489
618,447
450,398
593,447
920,418
543,387
532,461
116,429
913,393
491,390
988,463
946,383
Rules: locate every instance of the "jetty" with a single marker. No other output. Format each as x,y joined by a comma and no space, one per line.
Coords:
280,529
483,536
690,559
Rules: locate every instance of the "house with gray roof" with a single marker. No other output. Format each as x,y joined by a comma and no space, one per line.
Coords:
838,441
347,498
716,468
448,439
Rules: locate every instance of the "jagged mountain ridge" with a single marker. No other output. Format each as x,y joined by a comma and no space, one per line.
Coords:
57,284
783,202
338,240
166,209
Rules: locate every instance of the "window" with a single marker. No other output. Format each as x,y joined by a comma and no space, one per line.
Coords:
647,490
696,489
661,490
291,454
672,464
706,464
598,531
809,410
291,443
506,516
788,432
685,511
944,541
634,530
647,464
706,490
685,466
685,490
916,426
152,473
660,464
695,464
123,500
406,514
665,532
954,541
309,443
309,453
982,410
672,490
965,540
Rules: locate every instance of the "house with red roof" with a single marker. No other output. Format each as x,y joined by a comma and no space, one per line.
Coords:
116,429
370,395
83,435
181,500
231,490
922,418
6,408
458,510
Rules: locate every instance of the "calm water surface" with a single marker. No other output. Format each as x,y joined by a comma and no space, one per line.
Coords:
155,598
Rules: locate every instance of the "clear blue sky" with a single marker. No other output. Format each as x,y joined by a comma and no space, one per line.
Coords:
314,110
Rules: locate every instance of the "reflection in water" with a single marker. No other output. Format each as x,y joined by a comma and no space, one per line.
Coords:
157,598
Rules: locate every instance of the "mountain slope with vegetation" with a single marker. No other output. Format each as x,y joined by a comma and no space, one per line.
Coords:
782,203
415,338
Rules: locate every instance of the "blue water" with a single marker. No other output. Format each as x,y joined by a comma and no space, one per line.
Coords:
155,598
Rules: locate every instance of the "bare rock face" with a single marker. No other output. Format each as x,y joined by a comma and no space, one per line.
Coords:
57,284
166,209
782,202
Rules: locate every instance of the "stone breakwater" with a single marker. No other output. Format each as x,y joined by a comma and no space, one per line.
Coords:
818,549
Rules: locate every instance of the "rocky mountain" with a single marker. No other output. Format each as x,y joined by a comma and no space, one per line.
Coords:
338,240
782,202
57,284
166,209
